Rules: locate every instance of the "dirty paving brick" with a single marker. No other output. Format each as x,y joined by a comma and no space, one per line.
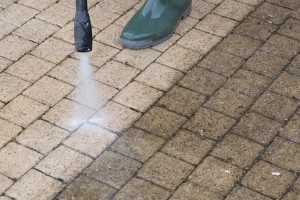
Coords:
275,106
238,151
290,28
239,45
240,192
188,146
221,62
294,67
189,190
113,169
216,175
229,102
292,128
266,64
141,189
292,4
138,144
201,9
160,122
182,101
260,178
87,188
202,81
209,123
165,171
284,153
257,128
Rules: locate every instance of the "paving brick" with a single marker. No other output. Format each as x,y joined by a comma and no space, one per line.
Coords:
216,25
159,76
72,4
5,4
37,4
57,14
295,191
30,68
201,9
291,130
138,96
179,58
260,178
216,175
110,36
221,62
271,13
292,4
4,63
115,74
265,64
181,100
87,188
256,29
284,154
102,18
66,33
275,106
167,44
64,163
22,111
202,81
139,59
123,20
17,160
257,128
8,131
11,86
161,122
42,136
189,190
233,9
296,13
248,83
186,25
199,41
244,193
101,54
119,6
229,103
5,183
188,146
294,67
67,71
215,1
113,169
239,45
290,28
115,117
90,140
17,14
6,28
287,84
237,151
4,198
53,50
251,2
34,185
67,114
13,47
48,91
209,123
94,98
36,30
138,144
140,189
282,46
165,171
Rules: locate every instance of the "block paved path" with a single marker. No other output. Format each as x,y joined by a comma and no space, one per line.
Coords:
213,113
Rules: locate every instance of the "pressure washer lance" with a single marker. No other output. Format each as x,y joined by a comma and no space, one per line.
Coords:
82,27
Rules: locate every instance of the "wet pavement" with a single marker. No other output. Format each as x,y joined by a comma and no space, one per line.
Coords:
213,113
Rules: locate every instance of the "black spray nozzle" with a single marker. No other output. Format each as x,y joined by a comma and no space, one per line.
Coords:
82,28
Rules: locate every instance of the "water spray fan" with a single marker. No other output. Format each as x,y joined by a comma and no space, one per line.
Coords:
82,27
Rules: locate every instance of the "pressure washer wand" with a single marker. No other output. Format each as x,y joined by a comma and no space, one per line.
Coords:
82,27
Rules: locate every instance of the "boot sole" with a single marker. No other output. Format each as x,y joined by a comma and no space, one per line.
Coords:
144,44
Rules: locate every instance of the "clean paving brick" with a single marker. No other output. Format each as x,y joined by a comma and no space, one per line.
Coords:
8,131
5,183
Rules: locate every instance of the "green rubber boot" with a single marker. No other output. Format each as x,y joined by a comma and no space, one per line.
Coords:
154,23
